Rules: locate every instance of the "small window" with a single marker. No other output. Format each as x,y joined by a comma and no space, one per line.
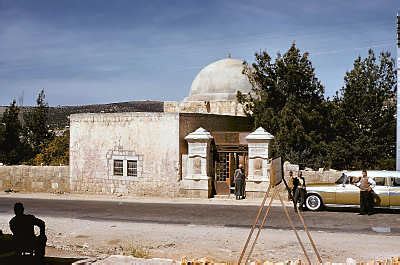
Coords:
396,182
132,168
118,167
380,181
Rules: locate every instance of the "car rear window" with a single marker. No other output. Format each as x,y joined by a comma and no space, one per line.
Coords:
380,181
396,182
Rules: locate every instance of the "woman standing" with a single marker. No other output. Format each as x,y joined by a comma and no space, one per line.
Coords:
239,182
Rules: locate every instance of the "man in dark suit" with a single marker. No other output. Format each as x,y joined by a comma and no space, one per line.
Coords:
22,226
239,179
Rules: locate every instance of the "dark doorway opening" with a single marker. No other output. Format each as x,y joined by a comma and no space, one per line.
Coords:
227,161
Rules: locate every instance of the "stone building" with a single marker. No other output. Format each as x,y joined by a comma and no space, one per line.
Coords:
190,149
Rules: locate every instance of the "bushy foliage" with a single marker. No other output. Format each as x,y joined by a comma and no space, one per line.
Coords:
288,101
37,129
353,130
365,118
12,147
55,153
31,142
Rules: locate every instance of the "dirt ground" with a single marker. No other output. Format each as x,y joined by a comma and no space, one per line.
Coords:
77,238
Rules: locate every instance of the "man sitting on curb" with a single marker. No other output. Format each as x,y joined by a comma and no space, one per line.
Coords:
24,238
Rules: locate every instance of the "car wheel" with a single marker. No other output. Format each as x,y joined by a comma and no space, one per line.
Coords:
313,202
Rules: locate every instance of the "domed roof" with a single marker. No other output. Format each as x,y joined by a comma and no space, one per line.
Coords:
219,81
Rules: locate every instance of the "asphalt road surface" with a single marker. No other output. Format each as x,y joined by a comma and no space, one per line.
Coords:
330,220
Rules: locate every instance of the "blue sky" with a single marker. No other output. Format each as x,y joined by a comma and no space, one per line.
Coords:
96,51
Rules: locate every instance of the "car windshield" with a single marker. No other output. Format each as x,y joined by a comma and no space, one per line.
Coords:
343,179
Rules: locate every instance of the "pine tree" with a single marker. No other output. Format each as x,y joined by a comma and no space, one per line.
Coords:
366,125
2,142
288,101
37,130
11,148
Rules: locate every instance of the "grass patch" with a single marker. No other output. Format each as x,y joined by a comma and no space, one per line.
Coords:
137,251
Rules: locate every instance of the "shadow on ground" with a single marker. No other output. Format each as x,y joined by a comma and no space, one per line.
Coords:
351,209
14,260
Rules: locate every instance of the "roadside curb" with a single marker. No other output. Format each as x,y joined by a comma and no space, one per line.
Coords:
131,199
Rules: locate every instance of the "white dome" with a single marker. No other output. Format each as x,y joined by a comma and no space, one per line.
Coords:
219,81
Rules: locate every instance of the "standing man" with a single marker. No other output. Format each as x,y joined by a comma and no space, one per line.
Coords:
289,186
239,182
295,189
300,195
366,185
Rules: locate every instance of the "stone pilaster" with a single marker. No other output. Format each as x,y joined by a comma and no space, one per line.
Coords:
258,166
197,178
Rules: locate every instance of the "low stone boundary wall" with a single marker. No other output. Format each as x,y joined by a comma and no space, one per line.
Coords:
51,179
119,259
329,176
56,179
349,261
310,176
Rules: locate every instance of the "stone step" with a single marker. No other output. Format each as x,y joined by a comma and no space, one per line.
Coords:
223,197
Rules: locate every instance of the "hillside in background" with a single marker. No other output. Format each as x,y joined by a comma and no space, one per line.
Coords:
58,116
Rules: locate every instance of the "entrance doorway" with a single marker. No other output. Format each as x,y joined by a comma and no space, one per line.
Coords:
225,165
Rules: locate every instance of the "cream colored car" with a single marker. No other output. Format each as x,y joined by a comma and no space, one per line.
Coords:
344,192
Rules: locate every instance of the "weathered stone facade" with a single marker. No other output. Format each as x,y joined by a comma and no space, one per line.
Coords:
52,179
150,139
211,107
155,142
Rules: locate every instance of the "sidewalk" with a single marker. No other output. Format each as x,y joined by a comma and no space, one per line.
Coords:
126,198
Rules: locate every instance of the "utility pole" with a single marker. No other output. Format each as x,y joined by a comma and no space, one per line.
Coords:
398,97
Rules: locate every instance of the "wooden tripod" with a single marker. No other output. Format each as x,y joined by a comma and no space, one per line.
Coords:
275,192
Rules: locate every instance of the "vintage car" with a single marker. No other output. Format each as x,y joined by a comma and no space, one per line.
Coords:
344,192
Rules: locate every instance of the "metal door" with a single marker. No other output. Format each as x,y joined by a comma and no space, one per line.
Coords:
222,174
225,168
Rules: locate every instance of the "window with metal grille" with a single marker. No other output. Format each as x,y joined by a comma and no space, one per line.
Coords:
132,168
222,167
118,167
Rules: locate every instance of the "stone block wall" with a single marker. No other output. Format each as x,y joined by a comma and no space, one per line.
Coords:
311,177
51,179
150,138
329,176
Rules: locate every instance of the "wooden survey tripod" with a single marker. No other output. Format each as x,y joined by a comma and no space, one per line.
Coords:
274,188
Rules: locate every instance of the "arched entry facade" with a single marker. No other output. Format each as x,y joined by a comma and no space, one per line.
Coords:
230,150
214,157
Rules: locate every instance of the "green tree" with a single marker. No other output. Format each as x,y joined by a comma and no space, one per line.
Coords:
55,153
12,149
365,124
2,141
288,101
37,129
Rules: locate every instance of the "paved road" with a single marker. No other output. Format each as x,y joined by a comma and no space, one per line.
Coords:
334,219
